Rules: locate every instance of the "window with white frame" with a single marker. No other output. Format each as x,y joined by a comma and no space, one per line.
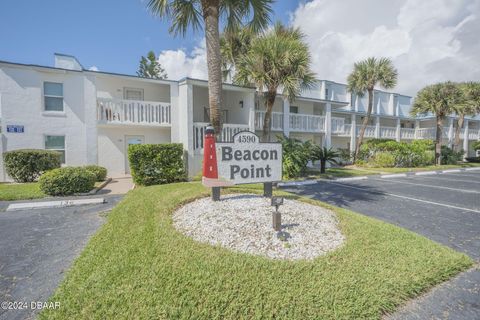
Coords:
133,94
56,143
293,109
53,96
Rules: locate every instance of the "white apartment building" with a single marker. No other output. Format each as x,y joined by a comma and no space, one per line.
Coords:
92,116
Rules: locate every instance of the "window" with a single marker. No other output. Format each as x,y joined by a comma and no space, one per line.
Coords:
352,99
133,94
56,143
293,109
326,93
53,95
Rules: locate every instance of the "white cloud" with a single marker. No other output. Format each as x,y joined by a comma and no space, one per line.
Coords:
93,68
428,41
179,64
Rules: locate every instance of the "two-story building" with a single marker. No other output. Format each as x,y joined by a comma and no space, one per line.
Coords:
91,117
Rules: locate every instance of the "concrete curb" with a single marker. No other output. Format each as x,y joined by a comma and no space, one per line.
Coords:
53,204
296,183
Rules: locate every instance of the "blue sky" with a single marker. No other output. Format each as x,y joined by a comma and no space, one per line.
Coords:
109,34
428,41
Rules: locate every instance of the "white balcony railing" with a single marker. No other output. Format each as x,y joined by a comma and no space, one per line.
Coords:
228,131
407,133
276,121
307,123
113,111
388,132
369,131
338,126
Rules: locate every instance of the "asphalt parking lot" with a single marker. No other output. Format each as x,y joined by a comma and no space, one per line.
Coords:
38,246
442,207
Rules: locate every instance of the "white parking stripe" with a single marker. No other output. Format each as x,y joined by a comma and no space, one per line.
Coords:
439,177
408,198
430,186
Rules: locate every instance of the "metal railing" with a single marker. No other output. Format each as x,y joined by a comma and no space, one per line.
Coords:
276,121
114,111
228,131
307,123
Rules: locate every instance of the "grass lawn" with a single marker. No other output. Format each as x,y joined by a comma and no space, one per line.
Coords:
139,267
20,191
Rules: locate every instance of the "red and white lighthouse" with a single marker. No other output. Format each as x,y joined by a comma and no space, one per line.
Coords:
210,169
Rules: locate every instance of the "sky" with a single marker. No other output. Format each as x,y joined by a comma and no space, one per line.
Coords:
428,41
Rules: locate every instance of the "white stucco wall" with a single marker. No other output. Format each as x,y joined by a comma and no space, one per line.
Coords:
112,146
112,87
22,104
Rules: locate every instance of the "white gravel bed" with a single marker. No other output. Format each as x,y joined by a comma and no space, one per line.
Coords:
243,222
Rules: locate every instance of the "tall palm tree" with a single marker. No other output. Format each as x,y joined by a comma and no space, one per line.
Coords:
277,59
234,45
365,76
469,105
440,100
207,14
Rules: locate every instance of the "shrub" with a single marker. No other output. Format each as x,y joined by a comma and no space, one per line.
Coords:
450,156
99,172
476,145
383,159
156,163
26,165
67,181
415,154
296,155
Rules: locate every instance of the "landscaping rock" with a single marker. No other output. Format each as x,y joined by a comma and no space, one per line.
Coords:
243,223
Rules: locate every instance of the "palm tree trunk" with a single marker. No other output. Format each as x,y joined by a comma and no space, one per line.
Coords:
460,121
364,124
267,121
323,164
438,141
211,9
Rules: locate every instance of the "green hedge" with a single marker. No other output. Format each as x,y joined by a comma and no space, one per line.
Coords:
67,181
26,165
450,156
400,154
99,172
156,163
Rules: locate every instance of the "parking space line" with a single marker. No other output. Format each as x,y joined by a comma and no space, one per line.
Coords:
406,197
430,186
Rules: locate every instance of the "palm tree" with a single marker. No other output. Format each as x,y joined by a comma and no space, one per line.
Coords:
277,59
324,155
365,76
440,100
184,14
233,46
468,106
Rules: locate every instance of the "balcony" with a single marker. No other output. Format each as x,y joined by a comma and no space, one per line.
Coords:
388,132
131,112
277,120
369,131
307,123
228,131
407,133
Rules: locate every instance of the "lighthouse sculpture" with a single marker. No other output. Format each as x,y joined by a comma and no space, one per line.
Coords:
210,170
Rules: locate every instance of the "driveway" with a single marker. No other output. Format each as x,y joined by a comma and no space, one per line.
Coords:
444,208
38,246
